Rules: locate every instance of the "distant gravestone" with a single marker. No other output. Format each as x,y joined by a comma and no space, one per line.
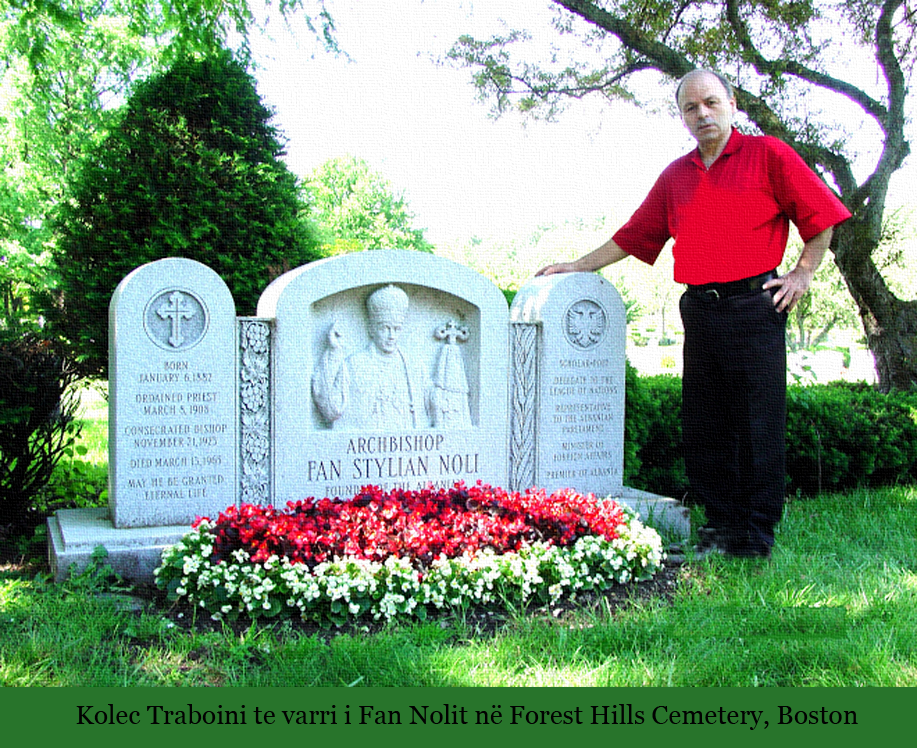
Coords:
389,368
568,394
173,395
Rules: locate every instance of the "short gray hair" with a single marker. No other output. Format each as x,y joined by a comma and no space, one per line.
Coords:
727,85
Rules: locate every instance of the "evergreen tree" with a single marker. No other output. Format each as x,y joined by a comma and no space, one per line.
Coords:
192,170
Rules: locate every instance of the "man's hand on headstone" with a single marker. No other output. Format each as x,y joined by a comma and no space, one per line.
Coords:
560,267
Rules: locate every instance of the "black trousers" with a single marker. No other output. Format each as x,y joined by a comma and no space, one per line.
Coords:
734,414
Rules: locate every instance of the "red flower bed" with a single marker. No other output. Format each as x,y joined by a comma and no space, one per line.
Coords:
420,525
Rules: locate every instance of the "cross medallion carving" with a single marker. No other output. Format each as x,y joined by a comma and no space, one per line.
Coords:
177,309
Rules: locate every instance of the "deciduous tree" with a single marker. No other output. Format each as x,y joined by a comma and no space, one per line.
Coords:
819,74
355,208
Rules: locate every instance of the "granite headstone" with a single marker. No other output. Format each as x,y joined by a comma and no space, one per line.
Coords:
388,368
577,410
173,395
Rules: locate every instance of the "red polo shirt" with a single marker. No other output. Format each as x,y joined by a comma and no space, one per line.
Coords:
731,221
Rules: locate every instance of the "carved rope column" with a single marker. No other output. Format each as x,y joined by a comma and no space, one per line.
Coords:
523,405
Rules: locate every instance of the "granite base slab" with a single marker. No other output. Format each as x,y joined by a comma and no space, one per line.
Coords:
134,553
659,512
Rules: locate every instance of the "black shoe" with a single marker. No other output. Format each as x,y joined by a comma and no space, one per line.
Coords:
708,536
763,554
744,545
702,552
708,543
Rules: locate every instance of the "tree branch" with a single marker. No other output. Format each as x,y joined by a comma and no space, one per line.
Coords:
664,58
896,147
873,108
667,60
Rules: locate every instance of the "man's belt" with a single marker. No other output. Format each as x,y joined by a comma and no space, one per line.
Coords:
717,291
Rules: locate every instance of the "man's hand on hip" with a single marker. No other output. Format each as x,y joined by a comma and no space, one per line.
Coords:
790,288
794,285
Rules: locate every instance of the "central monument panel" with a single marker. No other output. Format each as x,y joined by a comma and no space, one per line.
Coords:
389,368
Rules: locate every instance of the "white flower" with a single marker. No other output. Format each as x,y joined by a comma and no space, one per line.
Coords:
394,587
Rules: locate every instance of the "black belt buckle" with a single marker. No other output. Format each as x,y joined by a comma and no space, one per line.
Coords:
720,291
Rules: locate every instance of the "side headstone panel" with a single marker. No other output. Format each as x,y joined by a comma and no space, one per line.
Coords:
389,368
568,426
173,395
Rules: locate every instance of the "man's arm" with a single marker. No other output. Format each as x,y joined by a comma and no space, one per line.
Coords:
607,254
794,285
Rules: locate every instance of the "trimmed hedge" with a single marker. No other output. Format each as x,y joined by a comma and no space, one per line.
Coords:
843,435
839,436
652,434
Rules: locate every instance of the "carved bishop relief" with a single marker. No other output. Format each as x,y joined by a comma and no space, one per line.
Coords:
386,385
378,387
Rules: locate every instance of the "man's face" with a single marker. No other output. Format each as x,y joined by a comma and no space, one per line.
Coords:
385,332
706,110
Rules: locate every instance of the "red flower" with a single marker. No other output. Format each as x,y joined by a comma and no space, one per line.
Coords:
421,525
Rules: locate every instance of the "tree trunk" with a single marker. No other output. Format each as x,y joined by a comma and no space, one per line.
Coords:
890,323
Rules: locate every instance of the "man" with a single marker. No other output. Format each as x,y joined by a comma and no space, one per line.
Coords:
728,205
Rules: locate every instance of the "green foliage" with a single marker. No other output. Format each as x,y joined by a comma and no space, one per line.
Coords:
37,424
97,576
67,67
844,435
81,477
839,436
65,63
355,208
192,170
652,434
25,291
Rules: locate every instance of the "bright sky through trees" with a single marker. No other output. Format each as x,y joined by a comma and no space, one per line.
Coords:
421,125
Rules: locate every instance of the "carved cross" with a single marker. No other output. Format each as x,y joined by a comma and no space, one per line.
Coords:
452,332
177,309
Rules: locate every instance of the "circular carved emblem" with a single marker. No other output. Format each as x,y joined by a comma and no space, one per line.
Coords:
585,324
176,319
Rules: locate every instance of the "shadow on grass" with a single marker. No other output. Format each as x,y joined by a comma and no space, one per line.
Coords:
836,606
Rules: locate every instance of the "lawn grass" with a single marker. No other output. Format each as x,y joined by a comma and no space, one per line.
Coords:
80,479
835,606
